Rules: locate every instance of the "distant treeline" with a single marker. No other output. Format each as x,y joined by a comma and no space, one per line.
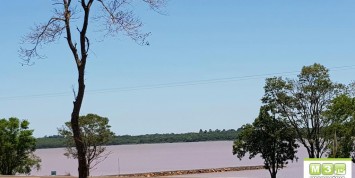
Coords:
57,141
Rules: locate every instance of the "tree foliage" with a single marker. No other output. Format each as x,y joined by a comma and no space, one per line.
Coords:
302,102
341,132
270,137
57,141
17,146
95,132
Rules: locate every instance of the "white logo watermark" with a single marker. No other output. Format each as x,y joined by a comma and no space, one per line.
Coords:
327,168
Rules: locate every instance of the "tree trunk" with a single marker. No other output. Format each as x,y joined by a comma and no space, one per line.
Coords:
83,168
311,151
88,171
273,167
273,175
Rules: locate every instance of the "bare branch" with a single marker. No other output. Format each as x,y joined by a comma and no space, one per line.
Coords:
46,33
74,92
41,34
67,17
116,17
117,20
87,44
156,5
100,157
83,31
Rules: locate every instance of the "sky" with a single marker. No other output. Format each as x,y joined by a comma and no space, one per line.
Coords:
205,67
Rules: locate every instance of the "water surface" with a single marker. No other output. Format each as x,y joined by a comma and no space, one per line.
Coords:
141,158
148,158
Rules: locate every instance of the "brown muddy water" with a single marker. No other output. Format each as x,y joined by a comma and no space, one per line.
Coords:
125,159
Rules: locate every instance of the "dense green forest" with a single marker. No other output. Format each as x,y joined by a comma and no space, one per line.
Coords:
57,141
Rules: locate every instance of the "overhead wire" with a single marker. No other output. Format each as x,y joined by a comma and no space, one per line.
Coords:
169,85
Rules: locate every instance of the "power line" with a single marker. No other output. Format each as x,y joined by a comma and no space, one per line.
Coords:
170,85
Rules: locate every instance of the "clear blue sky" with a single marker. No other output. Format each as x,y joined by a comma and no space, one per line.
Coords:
197,40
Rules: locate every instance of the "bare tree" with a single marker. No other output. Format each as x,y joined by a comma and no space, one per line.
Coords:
116,15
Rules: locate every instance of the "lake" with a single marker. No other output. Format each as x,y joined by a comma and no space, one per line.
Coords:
141,158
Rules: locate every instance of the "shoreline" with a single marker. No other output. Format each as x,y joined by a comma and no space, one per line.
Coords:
157,143
187,172
154,174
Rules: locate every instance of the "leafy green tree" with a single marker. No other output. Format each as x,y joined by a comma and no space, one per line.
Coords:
16,147
341,131
302,102
95,132
271,138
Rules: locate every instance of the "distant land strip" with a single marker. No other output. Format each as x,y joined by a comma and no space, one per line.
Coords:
57,141
186,172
